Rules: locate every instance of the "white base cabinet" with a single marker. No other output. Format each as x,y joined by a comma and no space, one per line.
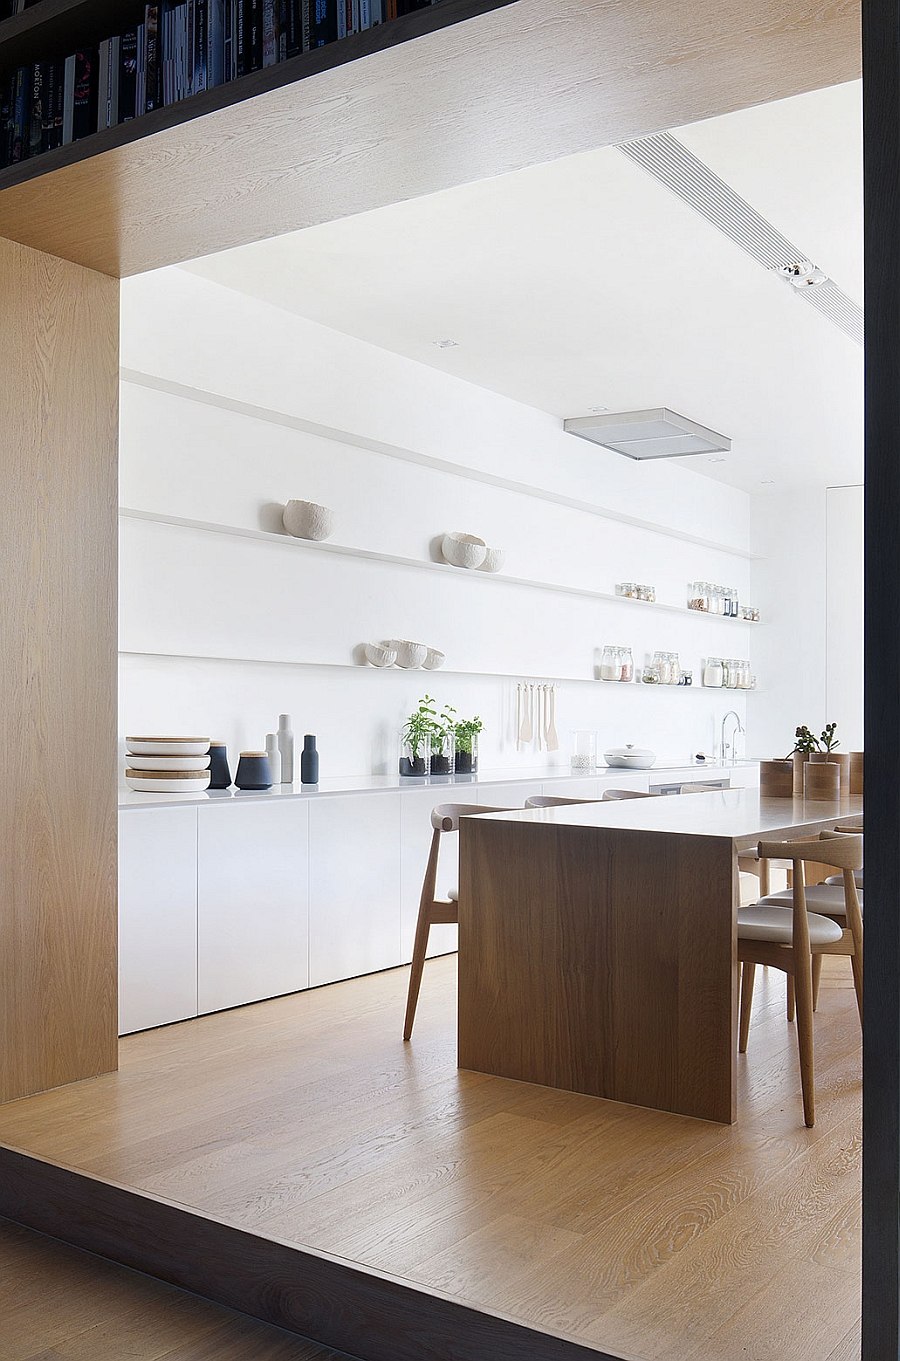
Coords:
157,917
252,902
354,886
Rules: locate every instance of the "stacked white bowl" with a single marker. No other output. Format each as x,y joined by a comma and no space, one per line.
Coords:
167,765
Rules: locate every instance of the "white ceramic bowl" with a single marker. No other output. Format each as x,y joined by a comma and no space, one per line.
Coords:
381,654
629,758
434,659
307,520
464,550
410,656
493,560
167,763
168,746
156,782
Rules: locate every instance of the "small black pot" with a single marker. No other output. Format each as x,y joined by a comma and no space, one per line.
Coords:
253,771
466,763
219,774
416,767
440,765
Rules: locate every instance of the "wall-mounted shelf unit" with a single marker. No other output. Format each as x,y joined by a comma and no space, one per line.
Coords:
422,564
52,29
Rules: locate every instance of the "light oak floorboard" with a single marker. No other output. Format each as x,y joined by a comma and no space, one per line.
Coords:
654,1235
59,1304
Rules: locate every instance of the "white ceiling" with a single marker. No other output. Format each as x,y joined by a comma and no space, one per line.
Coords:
584,283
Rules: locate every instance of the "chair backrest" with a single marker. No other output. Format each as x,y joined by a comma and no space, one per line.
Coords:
553,801
701,789
853,826
445,818
628,794
844,852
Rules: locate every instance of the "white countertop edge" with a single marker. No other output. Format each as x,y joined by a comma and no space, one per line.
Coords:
373,784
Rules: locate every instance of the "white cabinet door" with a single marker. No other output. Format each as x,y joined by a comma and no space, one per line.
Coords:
253,899
157,917
354,886
508,795
415,842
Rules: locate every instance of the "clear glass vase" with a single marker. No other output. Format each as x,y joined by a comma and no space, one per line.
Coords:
415,757
466,757
443,754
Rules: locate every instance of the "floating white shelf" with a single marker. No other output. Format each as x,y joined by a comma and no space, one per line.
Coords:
422,564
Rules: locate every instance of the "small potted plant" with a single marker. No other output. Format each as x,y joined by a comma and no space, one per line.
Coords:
804,746
443,741
415,739
467,730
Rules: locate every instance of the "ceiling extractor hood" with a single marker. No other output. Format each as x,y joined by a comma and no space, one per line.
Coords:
658,433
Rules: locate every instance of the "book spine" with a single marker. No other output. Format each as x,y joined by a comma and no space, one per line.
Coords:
19,116
151,23
68,100
33,129
325,21
200,40
84,118
215,48
256,35
128,75
270,33
341,18
241,67
103,84
115,58
356,17
306,23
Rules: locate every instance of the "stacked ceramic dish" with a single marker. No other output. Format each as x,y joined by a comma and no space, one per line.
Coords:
167,765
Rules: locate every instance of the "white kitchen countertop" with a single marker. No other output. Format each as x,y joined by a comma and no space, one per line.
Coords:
368,784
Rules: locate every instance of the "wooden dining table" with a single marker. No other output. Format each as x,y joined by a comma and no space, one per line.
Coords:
598,943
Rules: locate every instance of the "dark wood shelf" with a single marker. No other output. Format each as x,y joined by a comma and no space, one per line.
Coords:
57,26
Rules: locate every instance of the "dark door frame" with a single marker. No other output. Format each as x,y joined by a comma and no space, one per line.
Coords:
881,1050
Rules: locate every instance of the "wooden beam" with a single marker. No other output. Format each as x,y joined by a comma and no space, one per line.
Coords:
881,1049
522,84
340,1304
58,467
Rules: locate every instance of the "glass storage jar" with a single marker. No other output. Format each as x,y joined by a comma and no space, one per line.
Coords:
714,672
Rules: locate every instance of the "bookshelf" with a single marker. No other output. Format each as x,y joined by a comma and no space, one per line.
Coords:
51,29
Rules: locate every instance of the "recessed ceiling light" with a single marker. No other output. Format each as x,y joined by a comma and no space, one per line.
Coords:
802,273
654,433
446,344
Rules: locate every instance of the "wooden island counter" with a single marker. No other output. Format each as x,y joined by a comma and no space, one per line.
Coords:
597,943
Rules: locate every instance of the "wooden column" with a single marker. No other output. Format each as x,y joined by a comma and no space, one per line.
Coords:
58,460
881,1050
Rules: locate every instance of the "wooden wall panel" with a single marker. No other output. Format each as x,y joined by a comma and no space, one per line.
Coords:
58,473
519,85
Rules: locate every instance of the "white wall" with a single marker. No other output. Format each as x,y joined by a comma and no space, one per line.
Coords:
231,406
809,586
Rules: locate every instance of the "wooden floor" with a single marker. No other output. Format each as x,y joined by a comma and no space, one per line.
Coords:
58,1304
651,1235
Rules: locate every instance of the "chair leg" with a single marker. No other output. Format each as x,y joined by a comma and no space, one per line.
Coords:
790,997
857,964
748,973
816,980
420,947
803,993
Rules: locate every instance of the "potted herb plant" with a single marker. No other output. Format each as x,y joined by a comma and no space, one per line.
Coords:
467,730
804,745
443,741
415,739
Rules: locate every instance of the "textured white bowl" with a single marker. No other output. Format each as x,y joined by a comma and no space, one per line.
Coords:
160,784
168,746
464,550
493,560
164,763
380,654
434,659
629,758
410,656
306,520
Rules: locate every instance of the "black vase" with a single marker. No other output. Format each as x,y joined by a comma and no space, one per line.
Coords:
309,761
219,774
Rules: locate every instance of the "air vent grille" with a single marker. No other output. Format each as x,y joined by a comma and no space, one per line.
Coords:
658,433
670,162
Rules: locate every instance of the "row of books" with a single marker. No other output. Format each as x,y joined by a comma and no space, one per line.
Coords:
181,48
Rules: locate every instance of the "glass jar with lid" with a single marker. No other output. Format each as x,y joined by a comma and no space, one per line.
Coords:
626,672
714,672
610,664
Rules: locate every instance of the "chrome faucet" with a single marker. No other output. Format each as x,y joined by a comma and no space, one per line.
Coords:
729,746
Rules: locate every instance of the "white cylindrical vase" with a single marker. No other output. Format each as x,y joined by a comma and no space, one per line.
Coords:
286,748
274,756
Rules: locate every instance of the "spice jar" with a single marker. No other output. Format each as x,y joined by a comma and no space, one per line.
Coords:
610,665
714,673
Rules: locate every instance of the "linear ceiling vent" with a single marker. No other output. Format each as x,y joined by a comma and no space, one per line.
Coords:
659,433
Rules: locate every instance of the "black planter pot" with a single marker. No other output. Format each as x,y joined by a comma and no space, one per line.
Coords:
466,763
440,765
416,767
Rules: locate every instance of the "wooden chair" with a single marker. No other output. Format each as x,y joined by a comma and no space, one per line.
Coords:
433,910
829,899
628,794
553,801
789,938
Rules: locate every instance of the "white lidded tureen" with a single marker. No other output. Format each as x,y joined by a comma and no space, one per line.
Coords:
630,757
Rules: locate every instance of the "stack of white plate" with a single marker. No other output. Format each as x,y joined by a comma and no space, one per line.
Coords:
167,765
